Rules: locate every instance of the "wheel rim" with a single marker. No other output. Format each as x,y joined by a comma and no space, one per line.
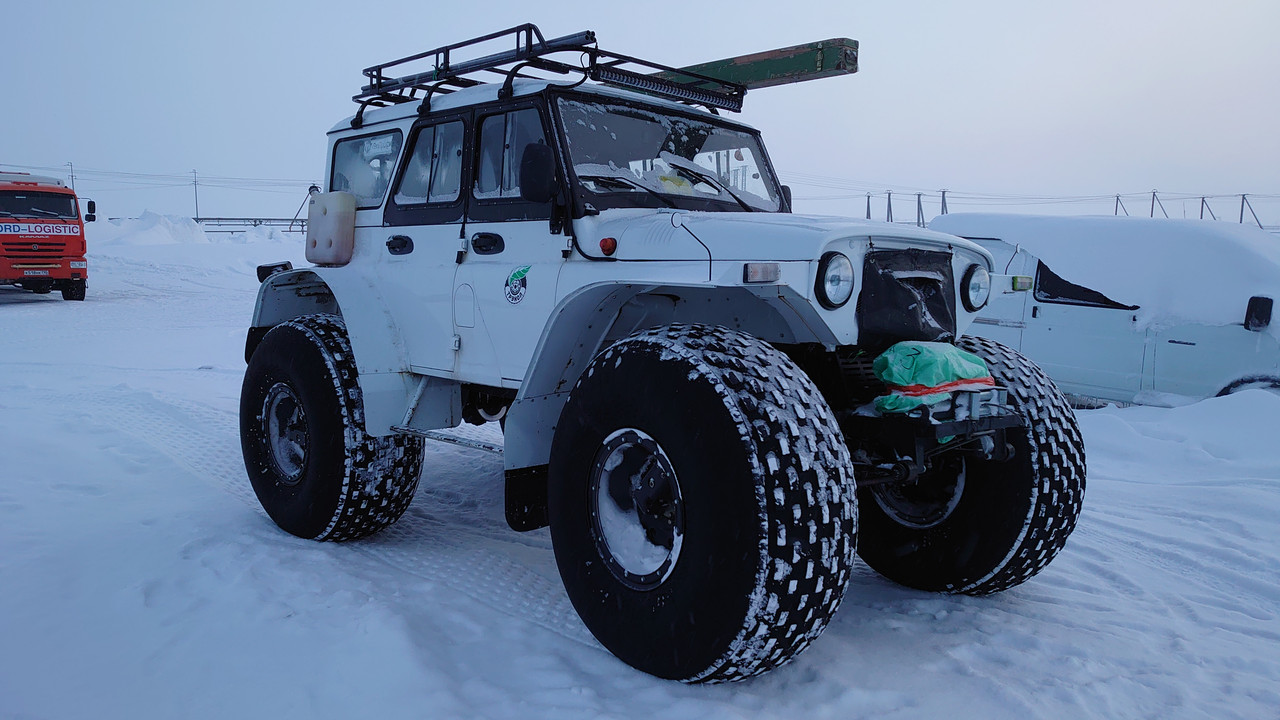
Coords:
927,500
285,426
637,514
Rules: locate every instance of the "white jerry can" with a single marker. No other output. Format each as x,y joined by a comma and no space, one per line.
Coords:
331,228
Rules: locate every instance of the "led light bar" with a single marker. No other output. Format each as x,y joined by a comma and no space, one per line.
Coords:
659,86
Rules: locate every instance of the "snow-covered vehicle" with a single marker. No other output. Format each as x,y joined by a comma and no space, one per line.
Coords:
681,366
42,244
1134,310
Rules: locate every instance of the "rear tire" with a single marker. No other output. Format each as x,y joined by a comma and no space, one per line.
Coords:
1271,384
981,526
702,504
314,469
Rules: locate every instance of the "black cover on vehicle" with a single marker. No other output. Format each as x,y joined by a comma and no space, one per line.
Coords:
906,295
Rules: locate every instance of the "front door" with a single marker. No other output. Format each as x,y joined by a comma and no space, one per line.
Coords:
1088,343
505,288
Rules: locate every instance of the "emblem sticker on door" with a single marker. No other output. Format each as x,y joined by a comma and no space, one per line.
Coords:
517,282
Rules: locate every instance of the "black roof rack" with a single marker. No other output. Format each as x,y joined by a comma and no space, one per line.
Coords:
532,57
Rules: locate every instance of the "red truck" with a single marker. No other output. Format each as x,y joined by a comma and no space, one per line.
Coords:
42,235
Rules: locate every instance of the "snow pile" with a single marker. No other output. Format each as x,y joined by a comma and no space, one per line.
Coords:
154,229
149,229
1195,271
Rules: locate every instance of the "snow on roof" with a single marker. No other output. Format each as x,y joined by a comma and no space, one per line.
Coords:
20,177
1176,270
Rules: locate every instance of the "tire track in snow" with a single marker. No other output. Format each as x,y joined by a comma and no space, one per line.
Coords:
454,533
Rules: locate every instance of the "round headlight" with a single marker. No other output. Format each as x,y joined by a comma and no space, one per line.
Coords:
975,288
835,280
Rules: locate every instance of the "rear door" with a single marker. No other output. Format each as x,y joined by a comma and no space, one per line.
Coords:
1202,360
417,242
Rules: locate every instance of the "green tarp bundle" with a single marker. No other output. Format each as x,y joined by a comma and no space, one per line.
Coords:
926,373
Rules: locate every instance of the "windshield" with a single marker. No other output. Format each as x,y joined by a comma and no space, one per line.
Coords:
24,204
625,156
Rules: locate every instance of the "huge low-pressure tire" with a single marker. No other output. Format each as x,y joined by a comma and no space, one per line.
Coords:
702,504
979,526
314,469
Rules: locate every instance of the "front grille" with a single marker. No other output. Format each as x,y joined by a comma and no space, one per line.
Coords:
906,295
33,249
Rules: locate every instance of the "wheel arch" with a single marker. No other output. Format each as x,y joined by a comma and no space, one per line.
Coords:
591,318
383,369
1270,379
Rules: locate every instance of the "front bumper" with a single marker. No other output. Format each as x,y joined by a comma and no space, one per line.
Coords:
17,270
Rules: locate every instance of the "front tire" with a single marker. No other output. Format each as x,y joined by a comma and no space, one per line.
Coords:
73,290
980,526
702,504
314,469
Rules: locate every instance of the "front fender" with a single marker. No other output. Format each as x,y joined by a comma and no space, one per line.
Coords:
593,317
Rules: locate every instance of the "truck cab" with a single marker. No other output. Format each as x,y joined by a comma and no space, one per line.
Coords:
42,244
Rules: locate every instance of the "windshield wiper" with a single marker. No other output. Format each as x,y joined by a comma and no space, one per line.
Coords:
632,183
699,173
47,213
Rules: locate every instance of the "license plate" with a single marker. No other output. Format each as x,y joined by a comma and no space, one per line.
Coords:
31,273
78,265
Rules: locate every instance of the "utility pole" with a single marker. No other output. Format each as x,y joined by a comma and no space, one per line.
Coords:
868,206
944,202
888,206
1154,201
919,210
73,175
195,182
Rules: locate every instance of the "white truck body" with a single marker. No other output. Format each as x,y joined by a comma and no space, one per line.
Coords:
1167,323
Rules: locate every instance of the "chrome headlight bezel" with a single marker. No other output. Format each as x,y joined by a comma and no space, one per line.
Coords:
835,281
975,288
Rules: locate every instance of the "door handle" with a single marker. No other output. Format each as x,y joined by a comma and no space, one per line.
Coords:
1035,311
400,245
485,243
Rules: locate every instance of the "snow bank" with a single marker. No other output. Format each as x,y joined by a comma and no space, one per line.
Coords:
1194,271
155,229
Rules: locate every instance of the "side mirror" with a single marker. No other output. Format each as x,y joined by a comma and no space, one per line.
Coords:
92,214
538,173
1257,315
786,195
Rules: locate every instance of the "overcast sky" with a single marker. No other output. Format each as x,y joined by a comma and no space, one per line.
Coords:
1013,98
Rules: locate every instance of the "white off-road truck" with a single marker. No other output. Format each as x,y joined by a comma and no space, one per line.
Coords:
683,368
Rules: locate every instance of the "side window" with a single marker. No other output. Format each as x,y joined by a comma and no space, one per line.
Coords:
1052,288
433,173
503,139
363,166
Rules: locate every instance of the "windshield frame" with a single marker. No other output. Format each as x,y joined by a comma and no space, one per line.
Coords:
582,197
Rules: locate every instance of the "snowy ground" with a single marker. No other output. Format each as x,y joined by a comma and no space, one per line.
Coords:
140,579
